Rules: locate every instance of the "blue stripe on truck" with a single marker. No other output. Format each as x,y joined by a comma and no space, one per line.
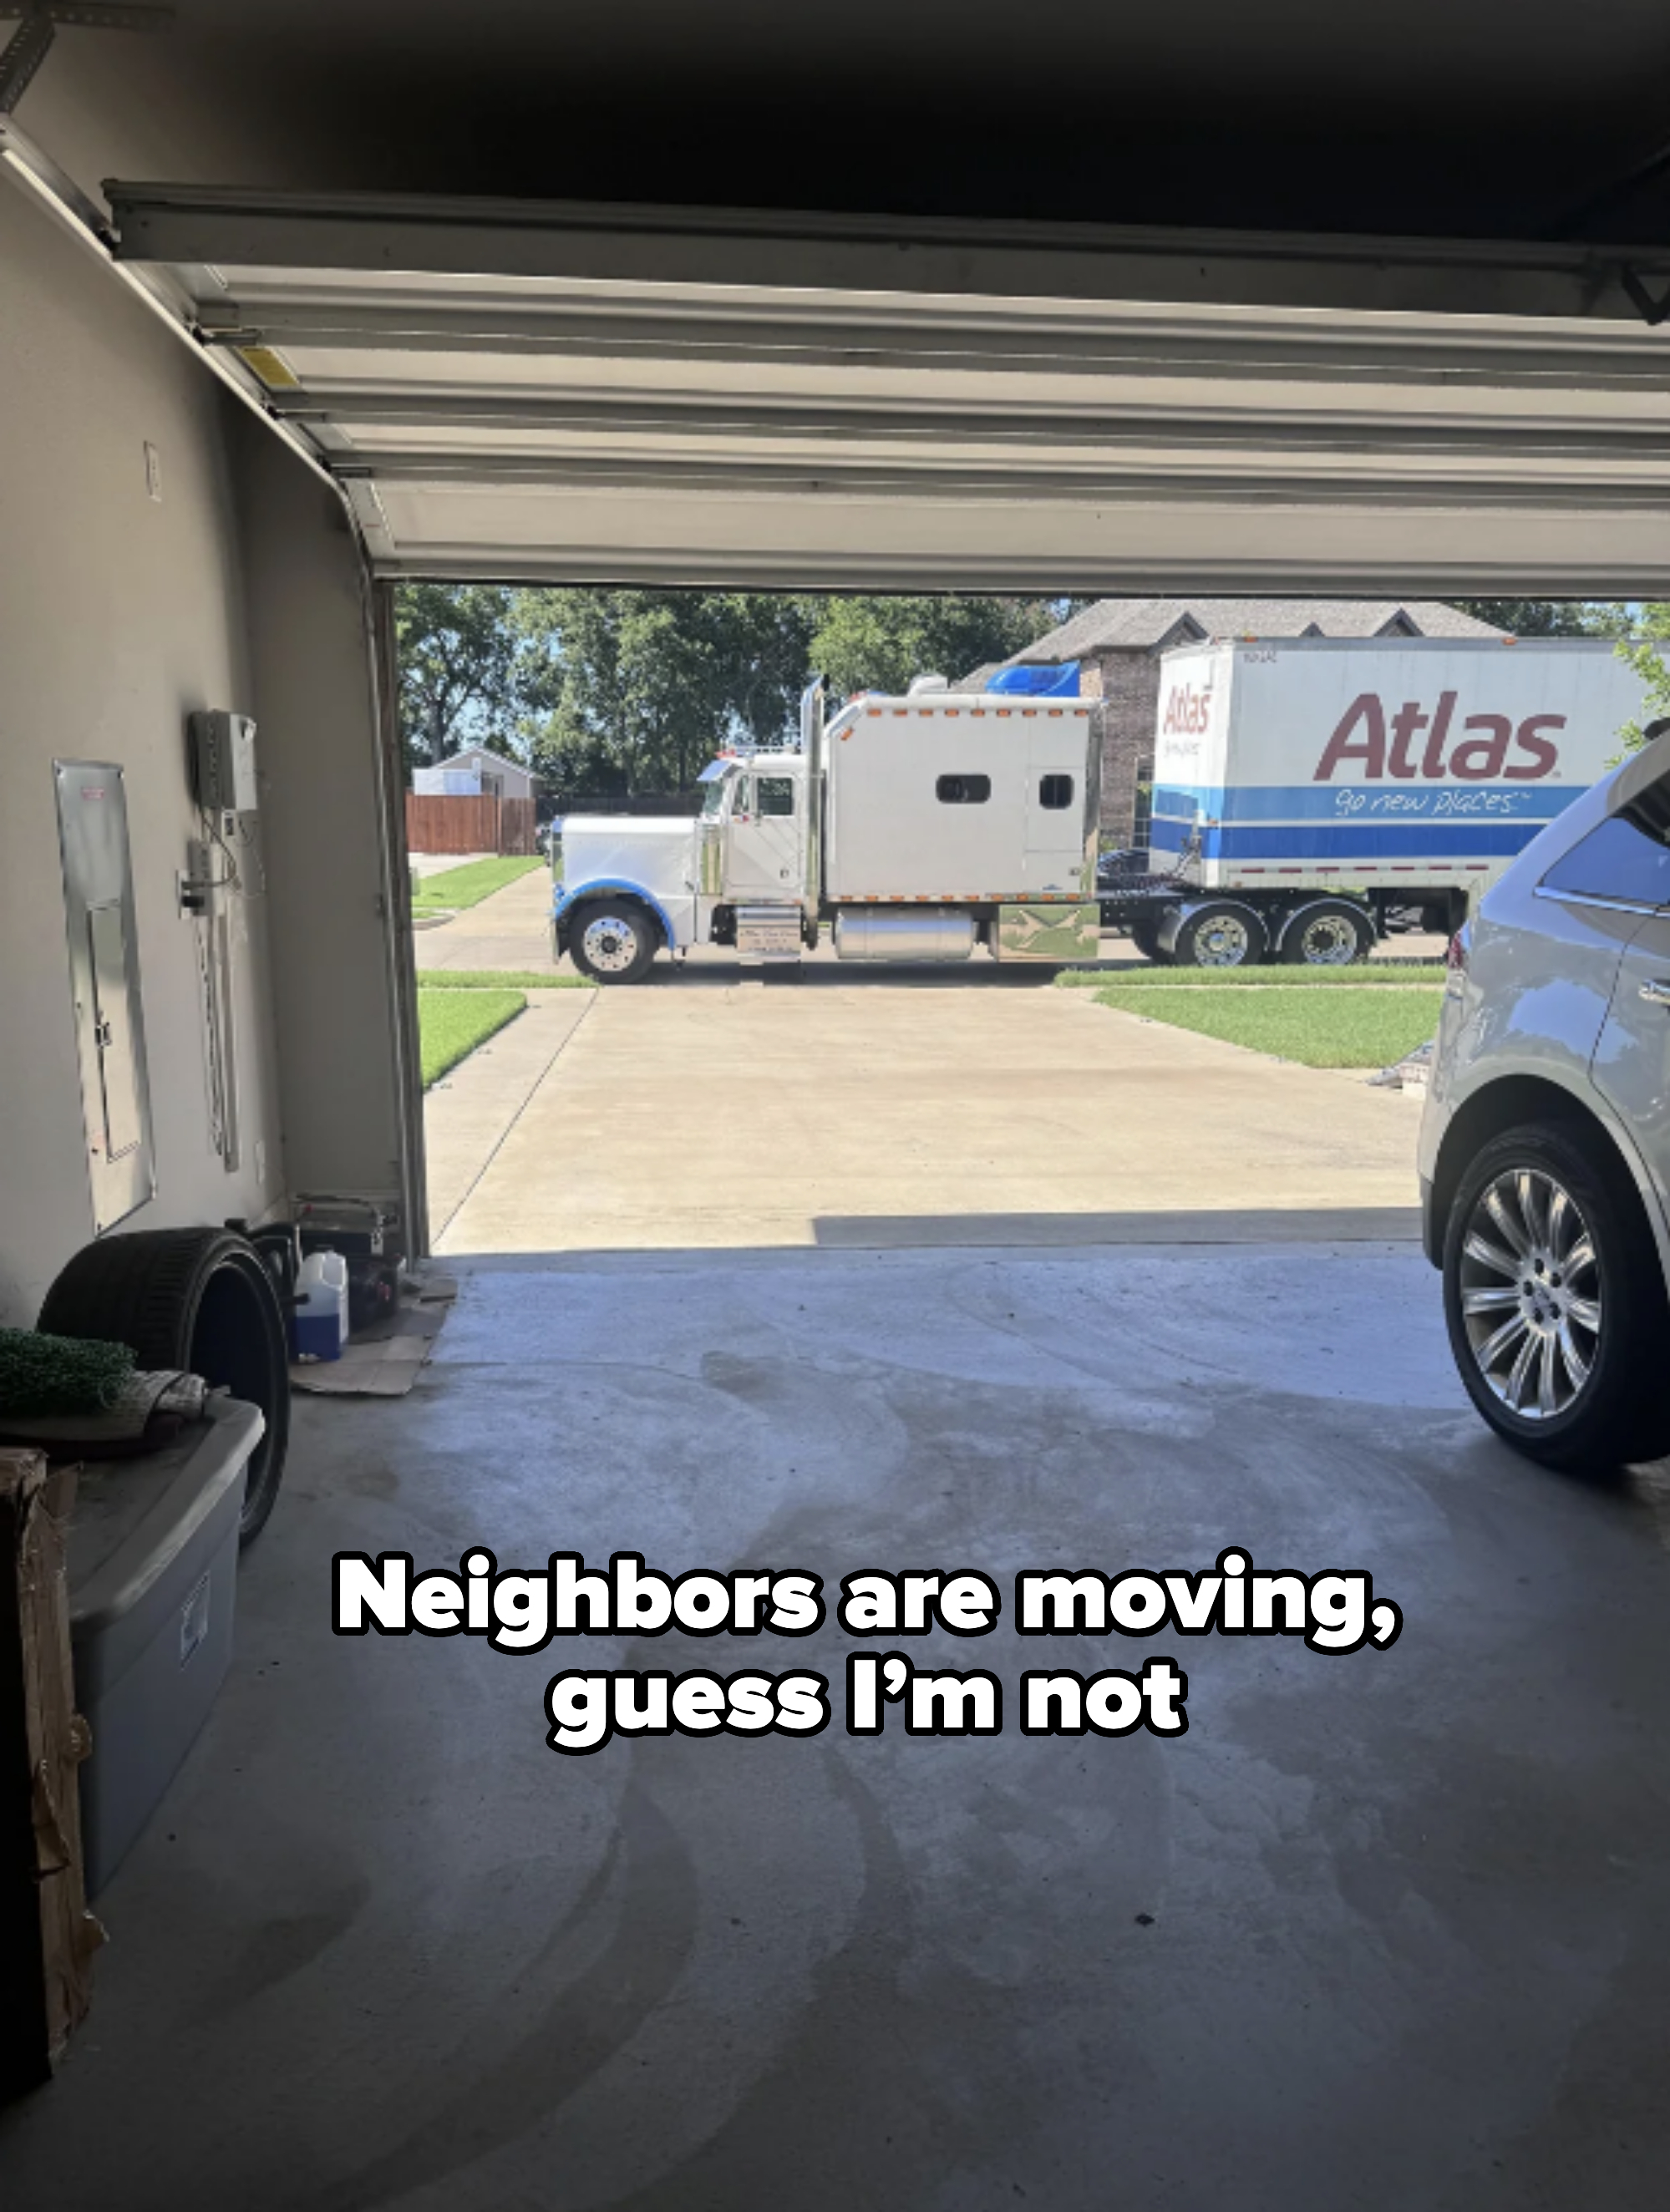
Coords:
1357,840
1331,802
568,897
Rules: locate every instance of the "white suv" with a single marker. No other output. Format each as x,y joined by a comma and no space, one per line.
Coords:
1545,1148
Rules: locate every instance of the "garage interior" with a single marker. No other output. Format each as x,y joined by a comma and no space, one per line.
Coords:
846,298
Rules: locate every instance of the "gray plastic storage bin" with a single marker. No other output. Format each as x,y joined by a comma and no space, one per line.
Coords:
153,1573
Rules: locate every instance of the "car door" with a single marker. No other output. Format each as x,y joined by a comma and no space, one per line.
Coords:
1631,1064
764,861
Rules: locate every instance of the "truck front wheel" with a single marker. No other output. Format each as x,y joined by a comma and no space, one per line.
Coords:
614,940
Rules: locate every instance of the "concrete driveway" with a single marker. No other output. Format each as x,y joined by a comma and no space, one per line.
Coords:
511,929
1389,1931
823,1107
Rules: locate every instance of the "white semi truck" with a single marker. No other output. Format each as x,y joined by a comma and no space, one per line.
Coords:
932,827
1303,791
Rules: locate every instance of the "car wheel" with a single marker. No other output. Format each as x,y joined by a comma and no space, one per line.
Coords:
1219,937
613,941
1556,1304
1331,936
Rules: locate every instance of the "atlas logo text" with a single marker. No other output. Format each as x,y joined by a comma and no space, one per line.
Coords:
1411,743
1187,711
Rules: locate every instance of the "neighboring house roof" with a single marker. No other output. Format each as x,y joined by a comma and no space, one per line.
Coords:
1142,625
472,753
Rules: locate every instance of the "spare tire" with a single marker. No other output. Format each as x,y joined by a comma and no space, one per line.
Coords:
200,1299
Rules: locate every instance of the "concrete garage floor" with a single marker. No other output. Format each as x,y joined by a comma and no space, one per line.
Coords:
1387,1931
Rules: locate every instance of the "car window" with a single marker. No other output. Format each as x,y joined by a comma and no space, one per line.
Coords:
776,794
1615,861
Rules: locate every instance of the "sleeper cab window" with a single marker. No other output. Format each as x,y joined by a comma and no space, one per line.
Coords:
962,790
1615,861
775,794
1055,791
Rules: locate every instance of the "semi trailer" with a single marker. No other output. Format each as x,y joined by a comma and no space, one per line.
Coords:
943,826
1306,792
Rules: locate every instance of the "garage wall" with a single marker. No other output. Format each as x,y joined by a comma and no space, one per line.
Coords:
333,888
120,613
240,586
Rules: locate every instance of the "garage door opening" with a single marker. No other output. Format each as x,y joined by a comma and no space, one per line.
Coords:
606,1047
883,1970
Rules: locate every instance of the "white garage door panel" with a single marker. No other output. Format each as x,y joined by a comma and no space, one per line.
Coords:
649,536
535,416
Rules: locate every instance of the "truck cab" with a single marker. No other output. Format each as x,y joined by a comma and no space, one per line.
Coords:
932,827
631,884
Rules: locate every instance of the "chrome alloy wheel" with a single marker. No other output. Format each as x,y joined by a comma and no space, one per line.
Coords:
1328,941
1223,941
1531,1293
610,943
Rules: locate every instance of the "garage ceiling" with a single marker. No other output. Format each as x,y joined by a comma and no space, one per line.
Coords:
618,394
1494,118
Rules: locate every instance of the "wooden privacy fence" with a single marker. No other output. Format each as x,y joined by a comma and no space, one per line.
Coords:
437,824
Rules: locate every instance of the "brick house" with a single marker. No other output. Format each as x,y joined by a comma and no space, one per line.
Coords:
1118,644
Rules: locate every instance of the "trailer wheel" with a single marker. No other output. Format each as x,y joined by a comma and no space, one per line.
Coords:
1334,933
1222,936
198,1299
613,940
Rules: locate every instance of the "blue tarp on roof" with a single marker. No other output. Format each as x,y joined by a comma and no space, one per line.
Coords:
1042,680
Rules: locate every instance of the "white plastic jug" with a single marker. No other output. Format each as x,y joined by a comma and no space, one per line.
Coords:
321,1307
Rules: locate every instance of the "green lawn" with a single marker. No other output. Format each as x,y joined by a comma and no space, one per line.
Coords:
500,979
451,1024
467,886
1374,976
1366,1028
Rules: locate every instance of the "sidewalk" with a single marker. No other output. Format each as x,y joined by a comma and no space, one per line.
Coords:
512,929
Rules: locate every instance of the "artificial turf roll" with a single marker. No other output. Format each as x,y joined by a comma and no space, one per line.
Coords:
47,1375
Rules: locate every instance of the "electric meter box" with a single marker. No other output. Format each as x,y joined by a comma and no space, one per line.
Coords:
223,761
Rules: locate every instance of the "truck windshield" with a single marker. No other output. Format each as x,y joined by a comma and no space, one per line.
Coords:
712,797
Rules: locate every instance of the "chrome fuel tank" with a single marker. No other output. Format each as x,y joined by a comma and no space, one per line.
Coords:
924,933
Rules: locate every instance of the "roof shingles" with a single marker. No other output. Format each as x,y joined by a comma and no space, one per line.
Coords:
1140,625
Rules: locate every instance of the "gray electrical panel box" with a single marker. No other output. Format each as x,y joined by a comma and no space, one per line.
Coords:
223,761
103,983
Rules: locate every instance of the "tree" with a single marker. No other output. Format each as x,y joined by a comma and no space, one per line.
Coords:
635,691
457,663
865,644
630,692
1643,649
1548,617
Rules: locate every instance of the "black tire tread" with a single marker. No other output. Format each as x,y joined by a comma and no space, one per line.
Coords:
133,1289
143,1288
